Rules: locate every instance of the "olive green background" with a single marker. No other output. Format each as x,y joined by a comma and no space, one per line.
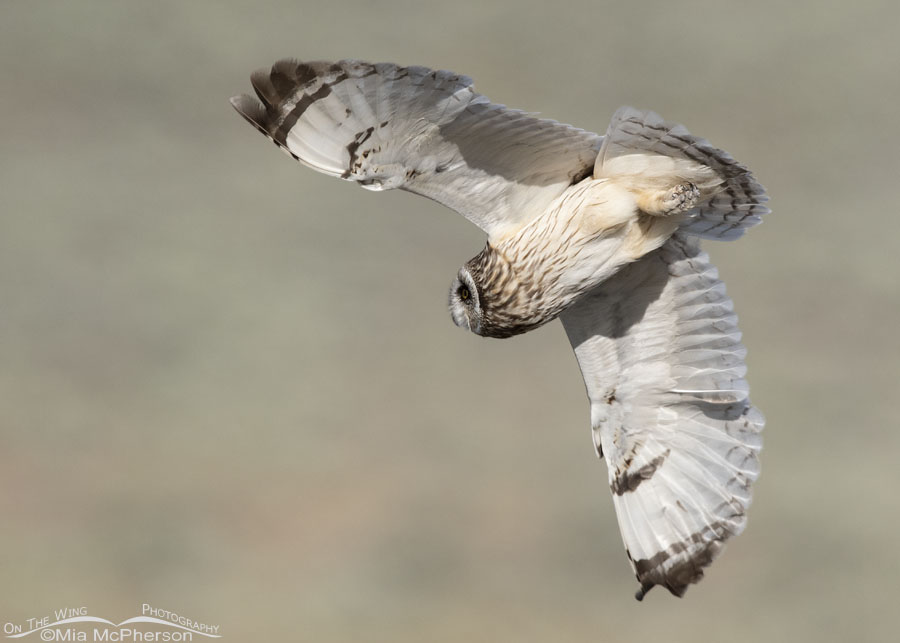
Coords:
230,387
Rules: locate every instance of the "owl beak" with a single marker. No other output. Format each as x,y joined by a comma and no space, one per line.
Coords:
460,319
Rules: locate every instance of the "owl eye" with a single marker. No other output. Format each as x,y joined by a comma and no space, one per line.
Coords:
463,293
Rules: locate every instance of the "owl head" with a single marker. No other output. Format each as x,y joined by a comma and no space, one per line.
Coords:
488,298
465,302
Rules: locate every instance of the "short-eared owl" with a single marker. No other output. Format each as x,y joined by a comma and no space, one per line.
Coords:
600,231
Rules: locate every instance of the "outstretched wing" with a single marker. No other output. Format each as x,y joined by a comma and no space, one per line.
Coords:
660,352
424,131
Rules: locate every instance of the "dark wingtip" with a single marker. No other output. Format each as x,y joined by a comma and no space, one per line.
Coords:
275,85
252,110
261,80
642,592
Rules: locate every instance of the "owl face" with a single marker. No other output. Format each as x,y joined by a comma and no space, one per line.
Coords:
465,302
488,299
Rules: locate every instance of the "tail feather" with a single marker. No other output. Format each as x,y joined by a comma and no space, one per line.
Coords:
642,142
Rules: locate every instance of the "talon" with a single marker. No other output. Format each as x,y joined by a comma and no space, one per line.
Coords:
682,197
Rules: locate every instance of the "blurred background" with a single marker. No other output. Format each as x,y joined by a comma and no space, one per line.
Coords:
230,386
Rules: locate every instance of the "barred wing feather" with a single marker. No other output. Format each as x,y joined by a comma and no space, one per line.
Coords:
660,352
428,132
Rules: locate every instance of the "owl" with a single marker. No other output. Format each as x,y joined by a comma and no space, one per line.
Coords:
601,232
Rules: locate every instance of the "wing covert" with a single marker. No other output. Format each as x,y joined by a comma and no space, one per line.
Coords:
428,132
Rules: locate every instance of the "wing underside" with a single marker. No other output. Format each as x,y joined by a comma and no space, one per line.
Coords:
428,132
660,352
